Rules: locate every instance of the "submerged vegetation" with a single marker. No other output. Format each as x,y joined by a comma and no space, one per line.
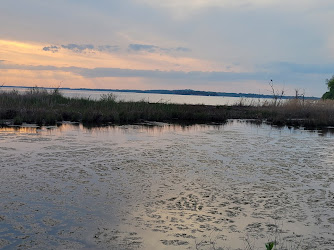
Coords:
44,107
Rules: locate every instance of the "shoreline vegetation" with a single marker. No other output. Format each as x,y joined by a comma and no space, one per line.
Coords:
49,107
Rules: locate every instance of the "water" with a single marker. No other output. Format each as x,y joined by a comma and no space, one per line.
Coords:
166,187
156,98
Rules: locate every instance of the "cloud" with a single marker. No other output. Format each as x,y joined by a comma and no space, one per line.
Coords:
292,72
155,49
192,75
81,48
52,48
77,47
143,47
108,48
33,67
118,72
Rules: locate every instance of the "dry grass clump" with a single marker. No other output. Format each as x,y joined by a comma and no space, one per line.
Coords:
297,112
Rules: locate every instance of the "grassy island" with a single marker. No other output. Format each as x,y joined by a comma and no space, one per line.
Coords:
44,107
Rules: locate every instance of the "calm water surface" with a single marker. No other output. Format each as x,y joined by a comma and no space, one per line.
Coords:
166,187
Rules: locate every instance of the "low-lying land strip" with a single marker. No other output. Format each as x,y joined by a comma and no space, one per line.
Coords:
49,107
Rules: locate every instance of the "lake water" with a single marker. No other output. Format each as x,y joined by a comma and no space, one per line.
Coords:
155,98
166,187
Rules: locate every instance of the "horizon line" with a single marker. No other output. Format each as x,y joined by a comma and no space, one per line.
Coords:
149,91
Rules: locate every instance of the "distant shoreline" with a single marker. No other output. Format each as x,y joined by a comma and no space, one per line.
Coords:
172,92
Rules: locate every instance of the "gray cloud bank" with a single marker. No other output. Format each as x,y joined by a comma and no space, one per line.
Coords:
117,72
276,73
192,75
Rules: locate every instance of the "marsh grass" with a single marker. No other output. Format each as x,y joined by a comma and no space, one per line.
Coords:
48,107
43,107
297,112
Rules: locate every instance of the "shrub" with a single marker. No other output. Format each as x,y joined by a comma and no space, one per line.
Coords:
330,85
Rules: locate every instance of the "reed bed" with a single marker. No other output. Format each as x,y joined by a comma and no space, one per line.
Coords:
49,107
44,107
296,112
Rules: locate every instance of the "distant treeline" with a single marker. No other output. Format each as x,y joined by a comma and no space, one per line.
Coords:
178,92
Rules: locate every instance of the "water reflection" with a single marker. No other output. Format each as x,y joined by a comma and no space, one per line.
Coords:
20,129
149,127
156,128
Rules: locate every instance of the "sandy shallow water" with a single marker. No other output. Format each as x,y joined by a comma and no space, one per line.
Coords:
166,187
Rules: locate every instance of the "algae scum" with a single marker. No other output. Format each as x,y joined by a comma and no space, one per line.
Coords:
166,187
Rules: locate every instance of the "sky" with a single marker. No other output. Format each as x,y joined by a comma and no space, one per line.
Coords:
213,45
